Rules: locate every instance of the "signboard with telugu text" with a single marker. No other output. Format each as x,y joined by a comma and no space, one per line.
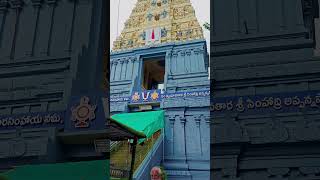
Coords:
32,120
140,97
287,102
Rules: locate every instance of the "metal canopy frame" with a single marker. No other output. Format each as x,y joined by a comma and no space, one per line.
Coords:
120,132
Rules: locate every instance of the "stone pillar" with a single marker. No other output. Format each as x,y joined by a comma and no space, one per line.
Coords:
36,14
188,62
182,132
174,62
181,62
111,69
168,72
129,68
121,73
317,33
3,14
136,67
198,126
71,28
207,120
200,58
52,4
9,30
175,159
170,135
125,69
194,62
116,75
168,62
17,6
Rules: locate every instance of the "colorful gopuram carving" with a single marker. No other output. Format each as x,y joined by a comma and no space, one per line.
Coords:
159,21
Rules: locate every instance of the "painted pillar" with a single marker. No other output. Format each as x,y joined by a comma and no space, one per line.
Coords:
299,14
43,31
116,69
111,69
52,4
3,16
137,70
70,37
174,62
198,127
125,69
194,62
200,58
181,62
234,6
17,6
126,64
167,69
36,14
122,66
170,135
134,72
188,61
206,140
192,135
129,68
181,137
135,64
8,30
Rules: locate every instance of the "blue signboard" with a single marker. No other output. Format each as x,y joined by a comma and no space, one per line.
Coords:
83,113
289,102
120,99
32,120
205,93
149,96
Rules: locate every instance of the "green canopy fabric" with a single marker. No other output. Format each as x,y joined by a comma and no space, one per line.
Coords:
86,170
145,122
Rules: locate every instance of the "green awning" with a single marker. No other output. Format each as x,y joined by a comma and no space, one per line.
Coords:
122,132
86,170
145,122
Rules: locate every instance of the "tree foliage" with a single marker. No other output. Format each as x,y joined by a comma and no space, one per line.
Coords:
206,26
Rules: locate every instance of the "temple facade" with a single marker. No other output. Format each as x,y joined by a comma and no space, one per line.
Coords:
265,79
160,61
48,99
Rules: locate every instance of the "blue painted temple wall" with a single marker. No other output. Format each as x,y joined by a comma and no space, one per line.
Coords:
187,133
46,51
268,54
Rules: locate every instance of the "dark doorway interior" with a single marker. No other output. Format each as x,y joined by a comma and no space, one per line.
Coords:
153,73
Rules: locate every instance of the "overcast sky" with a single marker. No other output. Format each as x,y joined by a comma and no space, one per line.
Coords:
202,8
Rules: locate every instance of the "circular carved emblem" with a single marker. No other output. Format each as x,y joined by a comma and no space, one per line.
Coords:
154,95
83,113
135,97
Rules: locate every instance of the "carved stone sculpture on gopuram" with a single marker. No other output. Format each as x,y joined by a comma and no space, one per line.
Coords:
159,21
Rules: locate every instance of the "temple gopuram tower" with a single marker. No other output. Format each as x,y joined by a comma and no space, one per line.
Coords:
162,49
